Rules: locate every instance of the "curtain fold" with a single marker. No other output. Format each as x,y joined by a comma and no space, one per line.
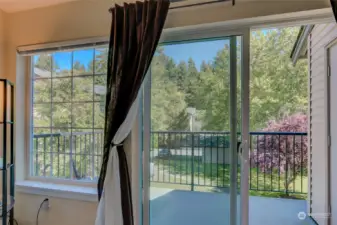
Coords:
135,33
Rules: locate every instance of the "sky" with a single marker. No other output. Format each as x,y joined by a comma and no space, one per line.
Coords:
64,60
198,51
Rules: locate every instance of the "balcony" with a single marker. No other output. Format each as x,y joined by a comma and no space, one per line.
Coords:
189,173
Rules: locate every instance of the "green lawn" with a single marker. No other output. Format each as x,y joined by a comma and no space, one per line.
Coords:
212,177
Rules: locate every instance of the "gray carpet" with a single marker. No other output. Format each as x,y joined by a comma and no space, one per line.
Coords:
177,207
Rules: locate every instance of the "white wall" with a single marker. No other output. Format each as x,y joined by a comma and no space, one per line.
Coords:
2,44
332,57
84,19
320,37
62,211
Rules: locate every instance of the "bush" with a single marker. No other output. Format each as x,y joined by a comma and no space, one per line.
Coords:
285,153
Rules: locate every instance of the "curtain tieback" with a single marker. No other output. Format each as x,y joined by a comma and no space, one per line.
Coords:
113,145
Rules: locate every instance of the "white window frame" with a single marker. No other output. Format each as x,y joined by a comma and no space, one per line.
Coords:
28,185
222,29
235,206
30,133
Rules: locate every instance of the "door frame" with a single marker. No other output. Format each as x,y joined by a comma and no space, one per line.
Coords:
244,187
202,31
328,123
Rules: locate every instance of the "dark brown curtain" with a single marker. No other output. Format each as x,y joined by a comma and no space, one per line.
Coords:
334,8
135,32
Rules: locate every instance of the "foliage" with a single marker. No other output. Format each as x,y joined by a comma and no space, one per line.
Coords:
66,101
167,101
76,91
278,88
287,154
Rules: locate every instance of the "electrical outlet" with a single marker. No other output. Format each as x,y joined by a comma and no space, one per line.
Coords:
46,204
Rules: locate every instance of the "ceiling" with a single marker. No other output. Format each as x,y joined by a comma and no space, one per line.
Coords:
20,5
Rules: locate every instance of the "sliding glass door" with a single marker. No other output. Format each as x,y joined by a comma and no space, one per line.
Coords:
195,133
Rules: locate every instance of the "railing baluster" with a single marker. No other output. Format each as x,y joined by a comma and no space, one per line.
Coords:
286,172
264,159
158,159
81,156
272,163
180,156
186,163
175,159
294,146
204,159
75,161
279,163
58,156
51,156
92,153
169,156
44,156
176,152
257,163
198,157
211,164
192,166
217,161
163,162
223,147
86,154
302,163
250,162
64,156
37,157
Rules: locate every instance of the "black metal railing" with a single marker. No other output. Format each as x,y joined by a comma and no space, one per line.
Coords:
278,160
75,155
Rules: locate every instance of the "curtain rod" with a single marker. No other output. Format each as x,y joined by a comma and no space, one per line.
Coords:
201,3
195,4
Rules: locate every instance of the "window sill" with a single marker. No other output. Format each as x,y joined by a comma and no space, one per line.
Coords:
57,190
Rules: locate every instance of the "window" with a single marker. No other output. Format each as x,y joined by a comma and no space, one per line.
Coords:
68,104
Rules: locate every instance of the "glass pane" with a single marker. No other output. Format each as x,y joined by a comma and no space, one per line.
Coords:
61,115
42,90
190,142
42,66
61,89
41,115
41,131
99,115
101,60
69,101
61,148
83,89
83,116
62,64
83,62
83,157
41,146
100,87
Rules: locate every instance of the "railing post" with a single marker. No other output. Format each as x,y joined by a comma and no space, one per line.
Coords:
192,170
